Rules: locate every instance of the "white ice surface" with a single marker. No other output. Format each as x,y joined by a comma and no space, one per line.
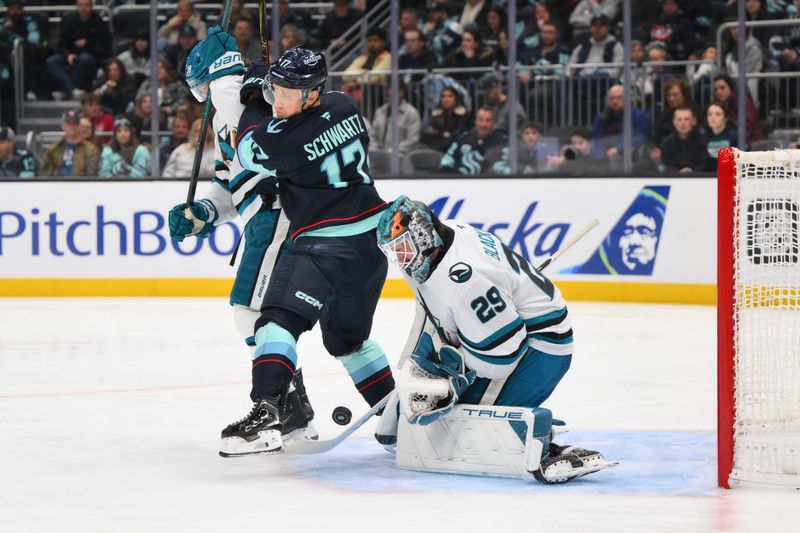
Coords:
110,411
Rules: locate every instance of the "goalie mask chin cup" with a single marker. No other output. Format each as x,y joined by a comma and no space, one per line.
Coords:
406,234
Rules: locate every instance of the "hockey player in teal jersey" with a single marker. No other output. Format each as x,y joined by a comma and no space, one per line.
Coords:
501,333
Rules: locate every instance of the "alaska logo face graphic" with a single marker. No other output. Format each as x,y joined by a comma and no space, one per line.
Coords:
631,247
460,272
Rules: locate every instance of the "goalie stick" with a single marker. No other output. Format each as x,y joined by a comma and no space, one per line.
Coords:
589,227
306,447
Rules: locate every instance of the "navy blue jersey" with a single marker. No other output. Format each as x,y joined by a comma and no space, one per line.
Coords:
320,158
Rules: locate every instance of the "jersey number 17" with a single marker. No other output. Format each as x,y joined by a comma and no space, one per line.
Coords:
350,153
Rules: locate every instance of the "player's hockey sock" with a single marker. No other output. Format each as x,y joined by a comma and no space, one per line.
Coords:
274,361
369,369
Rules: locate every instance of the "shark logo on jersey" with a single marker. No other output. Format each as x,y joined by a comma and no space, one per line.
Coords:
630,248
273,126
460,272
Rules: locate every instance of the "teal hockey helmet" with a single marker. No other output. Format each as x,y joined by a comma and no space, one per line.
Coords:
407,235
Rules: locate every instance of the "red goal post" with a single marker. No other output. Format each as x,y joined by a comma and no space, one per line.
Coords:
758,318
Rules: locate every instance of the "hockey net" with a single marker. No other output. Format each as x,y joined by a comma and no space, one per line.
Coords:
758,318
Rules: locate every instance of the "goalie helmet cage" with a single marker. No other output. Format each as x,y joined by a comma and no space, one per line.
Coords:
758,318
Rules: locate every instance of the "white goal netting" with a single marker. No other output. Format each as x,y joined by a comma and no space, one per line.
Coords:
766,318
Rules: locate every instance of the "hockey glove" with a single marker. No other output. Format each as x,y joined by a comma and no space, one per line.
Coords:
451,368
204,215
252,81
213,57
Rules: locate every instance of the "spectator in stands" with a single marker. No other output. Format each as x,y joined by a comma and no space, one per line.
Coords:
246,41
493,85
601,47
475,151
115,88
376,58
177,53
300,19
409,20
180,135
447,121
186,14
170,91
684,150
533,152
442,34
754,58
475,14
339,20
700,76
677,94
238,12
471,53
72,155
759,10
291,36
725,93
496,21
585,13
417,55
408,124
124,156
179,164
141,116
102,120
674,30
607,128
14,162
549,51
87,131
720,133
17,25
84,42
137,58
574,158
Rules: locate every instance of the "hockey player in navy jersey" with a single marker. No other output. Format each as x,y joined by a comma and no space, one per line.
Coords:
236,191
499,331
313,153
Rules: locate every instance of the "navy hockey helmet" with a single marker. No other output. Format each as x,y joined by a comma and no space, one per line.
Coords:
407,235
298,68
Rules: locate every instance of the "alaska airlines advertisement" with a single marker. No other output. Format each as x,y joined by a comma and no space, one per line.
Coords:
650,230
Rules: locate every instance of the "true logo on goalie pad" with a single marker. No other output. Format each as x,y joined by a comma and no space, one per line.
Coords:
460,272
489,413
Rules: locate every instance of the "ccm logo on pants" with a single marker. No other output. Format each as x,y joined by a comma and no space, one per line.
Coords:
308,299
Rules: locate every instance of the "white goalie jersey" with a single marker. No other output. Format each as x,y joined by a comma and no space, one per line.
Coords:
490,302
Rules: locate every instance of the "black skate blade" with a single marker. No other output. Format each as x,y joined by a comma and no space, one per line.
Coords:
257,452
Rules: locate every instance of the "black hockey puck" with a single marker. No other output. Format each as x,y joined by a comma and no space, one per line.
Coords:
342,415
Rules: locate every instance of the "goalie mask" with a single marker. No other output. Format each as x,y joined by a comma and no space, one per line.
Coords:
298,68
408,236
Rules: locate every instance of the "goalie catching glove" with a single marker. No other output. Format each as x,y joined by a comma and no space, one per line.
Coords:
204,214
429,389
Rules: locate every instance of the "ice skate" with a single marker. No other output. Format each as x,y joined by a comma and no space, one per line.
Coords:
258,432
566,463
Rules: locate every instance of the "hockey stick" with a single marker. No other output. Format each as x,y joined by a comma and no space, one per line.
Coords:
569,244
201,140
263,33
306,447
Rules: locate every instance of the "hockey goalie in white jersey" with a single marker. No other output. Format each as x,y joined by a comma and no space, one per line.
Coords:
493,342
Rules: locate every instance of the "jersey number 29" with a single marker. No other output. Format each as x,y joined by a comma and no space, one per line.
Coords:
487,307
349,153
